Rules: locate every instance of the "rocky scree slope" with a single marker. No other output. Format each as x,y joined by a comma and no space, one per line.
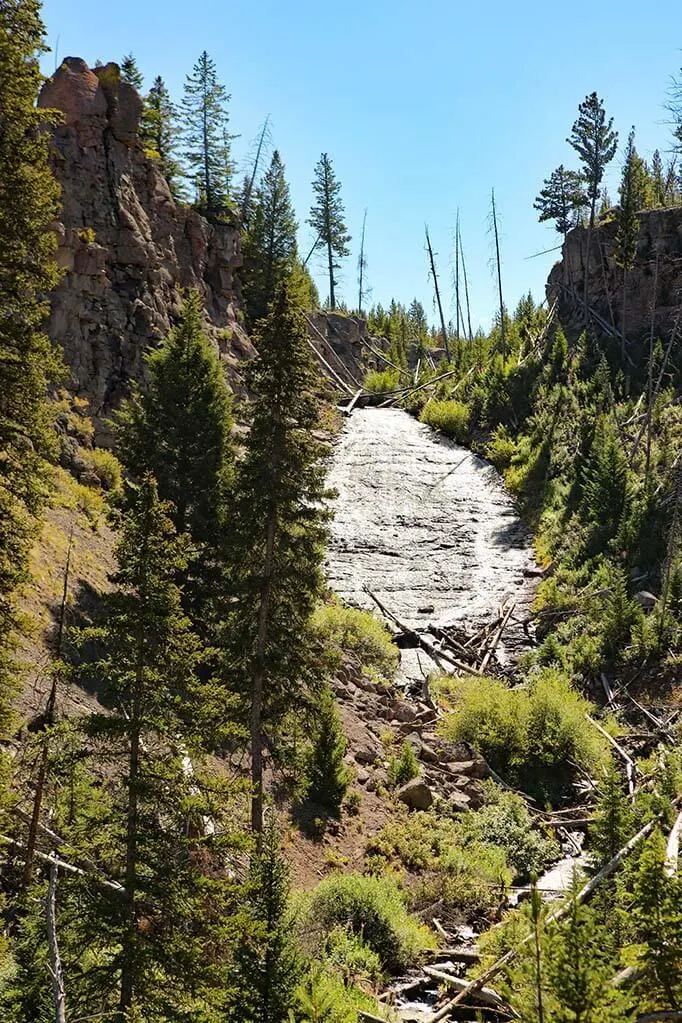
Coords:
127,249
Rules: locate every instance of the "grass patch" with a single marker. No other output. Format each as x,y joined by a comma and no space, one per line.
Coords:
449,417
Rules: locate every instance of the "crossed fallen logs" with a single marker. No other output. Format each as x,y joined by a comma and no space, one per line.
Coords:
472,654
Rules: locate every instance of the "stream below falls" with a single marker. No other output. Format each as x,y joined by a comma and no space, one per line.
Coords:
429,528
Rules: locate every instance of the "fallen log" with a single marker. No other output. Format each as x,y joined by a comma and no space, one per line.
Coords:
347,409
630,768
416,637
509,956
497,636
484,995
660,1014
672,851
68,867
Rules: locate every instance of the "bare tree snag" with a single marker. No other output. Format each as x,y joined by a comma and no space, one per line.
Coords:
440,305
503,339
58,989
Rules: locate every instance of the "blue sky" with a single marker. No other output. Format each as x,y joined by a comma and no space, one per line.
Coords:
422,106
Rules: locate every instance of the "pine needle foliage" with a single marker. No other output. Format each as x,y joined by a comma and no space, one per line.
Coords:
327,221
178,427
29,202
328,776
159,134
207,139
175,896
278,521
270,243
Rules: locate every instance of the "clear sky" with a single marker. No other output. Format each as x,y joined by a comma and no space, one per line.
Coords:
422,105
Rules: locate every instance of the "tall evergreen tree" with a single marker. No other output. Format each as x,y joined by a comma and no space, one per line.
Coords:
207,140
278,535
658,925
159,133
658,182
172,881
267,956
270,242
178,426
29,202
632,192
579,971
327,220
595,142
561,199
131,73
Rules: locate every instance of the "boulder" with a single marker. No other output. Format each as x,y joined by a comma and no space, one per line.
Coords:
416,794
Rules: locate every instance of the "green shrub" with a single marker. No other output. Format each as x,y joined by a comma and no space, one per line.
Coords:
324,997
504,821
106,467
347,629
446,863
381,381
369,907
404,767
532,736
450,417
501,449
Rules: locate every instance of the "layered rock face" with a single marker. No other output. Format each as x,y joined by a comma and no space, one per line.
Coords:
654,283
128,251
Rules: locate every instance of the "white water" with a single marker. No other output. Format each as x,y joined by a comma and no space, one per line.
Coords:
426,525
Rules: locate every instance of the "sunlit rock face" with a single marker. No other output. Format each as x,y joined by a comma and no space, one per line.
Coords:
128,251
626,302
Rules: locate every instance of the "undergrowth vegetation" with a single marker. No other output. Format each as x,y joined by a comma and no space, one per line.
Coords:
536,736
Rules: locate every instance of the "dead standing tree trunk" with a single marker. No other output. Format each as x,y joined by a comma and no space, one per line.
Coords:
440,305
55,964
503,339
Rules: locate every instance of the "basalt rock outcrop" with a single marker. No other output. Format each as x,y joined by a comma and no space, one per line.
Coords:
653,284
128,251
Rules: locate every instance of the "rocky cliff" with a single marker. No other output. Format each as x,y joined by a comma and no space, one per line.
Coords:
653,284
127,249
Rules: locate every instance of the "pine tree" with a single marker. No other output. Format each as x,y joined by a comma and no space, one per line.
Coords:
178,427
327,220
29,202
328,776
172,884
561,199
267,956
658,924
131,73
270,243
659,189
595,142
159,132
578,970
632,199
207,140
278,534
